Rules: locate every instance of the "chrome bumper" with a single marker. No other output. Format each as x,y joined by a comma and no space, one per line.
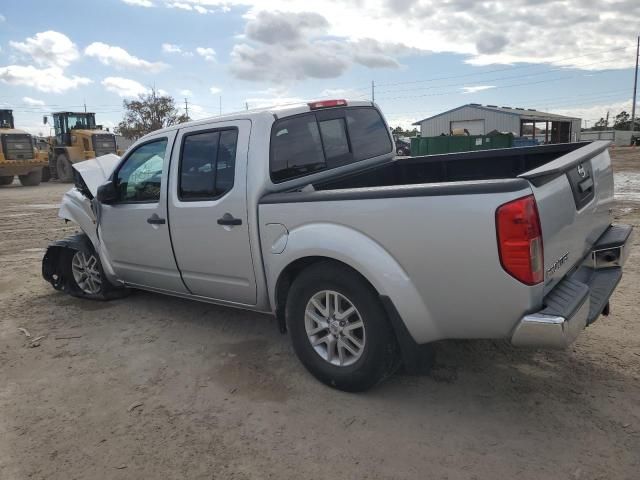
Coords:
580,298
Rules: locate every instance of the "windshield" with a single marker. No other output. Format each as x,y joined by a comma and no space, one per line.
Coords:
79,121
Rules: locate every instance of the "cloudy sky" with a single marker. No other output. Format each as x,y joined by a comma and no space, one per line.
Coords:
425,56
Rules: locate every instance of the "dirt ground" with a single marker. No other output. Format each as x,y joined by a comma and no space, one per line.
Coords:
151,387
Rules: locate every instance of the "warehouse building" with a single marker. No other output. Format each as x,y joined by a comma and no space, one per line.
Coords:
482,119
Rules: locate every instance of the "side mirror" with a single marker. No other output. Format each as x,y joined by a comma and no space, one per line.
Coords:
107,193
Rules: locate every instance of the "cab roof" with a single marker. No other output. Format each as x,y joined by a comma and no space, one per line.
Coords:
275,111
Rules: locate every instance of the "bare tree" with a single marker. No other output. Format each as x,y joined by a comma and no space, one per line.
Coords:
148,113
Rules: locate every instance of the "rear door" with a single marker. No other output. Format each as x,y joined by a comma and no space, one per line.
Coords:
134,229
208,211
574,195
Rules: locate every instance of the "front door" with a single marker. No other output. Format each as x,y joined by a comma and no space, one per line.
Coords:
135,229
208,211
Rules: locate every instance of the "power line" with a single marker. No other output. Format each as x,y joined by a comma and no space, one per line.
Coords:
499,78
499,69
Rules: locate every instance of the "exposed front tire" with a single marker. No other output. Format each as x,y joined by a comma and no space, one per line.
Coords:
73,266
31,179
6,180
64,168
339,329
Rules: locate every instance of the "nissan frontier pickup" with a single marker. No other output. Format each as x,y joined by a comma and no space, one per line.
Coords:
366,259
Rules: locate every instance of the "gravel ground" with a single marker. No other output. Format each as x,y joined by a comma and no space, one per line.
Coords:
158,387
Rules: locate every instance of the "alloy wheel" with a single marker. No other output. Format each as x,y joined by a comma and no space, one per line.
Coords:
334,328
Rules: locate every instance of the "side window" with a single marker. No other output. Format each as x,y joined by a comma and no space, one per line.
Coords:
334,138
296,148
207,164
139,178
369,136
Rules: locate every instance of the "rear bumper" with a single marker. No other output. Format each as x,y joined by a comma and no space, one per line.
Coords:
581,297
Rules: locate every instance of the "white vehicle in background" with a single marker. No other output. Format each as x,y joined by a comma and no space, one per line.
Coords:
366,259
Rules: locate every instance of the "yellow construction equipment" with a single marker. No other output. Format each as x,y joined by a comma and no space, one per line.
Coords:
77,138
18,154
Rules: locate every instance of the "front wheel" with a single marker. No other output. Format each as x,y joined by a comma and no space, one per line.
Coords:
6,179
64,168
31,179
82,273
339,329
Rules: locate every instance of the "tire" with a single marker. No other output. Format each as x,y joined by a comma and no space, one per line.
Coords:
64,168
31,179
6,180
370,358
402,152
46,174
83,274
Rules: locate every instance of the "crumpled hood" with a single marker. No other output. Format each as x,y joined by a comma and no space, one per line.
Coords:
96,171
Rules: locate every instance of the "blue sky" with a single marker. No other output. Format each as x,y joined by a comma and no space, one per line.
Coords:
425,56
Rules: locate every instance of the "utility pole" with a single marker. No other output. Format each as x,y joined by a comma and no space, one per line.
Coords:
373,91
246,105
85,105
186,107
635,88
606,125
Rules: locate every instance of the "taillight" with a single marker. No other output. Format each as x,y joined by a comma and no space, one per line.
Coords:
327,104
520,240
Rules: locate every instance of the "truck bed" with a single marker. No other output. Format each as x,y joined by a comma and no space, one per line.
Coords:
435,216
453,167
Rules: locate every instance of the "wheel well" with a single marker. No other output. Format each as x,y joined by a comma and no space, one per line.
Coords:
289,274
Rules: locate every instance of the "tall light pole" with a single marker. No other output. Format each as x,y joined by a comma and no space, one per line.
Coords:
635,88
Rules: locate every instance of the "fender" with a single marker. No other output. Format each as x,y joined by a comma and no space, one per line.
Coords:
77,208
364,255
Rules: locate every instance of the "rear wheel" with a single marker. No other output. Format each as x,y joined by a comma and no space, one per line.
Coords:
339,329
64,168
6,179
46,174
31,179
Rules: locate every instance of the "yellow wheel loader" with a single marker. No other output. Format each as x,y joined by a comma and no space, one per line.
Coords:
19,155
77,138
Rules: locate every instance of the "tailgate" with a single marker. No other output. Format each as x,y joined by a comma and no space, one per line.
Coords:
574,194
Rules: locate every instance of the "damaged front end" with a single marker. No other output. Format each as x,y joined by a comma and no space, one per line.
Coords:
80,206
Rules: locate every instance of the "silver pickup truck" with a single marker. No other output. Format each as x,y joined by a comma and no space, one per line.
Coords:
365,259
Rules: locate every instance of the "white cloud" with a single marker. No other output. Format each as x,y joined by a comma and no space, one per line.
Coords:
593,113
477,88
209,54
196,112
139,3
281,47
48,48
501,31
170,48
120,58
186,93
215,90
180,5
48,80
33,102
2,18
125,87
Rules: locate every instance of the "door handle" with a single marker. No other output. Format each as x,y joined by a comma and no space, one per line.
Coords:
156,220
228,219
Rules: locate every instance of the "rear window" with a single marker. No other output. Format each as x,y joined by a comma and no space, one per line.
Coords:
326,139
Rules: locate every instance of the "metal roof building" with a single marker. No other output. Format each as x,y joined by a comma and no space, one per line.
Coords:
481,119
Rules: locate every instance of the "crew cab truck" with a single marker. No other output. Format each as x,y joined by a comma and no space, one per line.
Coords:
365,259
